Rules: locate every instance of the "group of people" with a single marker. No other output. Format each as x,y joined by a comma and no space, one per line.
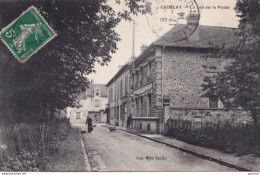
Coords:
128,123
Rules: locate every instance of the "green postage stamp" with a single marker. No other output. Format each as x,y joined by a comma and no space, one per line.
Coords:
27,34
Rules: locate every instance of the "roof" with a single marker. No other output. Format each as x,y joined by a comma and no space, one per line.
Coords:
102,88
121,70
91,90
204,37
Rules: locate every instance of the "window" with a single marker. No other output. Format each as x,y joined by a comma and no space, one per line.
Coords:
77,115
118,90
133,82
141,107
115,94
141,75
96,103
149,102
126,84
213,101
117,112
136,108
136,79
97,92
111,94
121,88
148,127
149,69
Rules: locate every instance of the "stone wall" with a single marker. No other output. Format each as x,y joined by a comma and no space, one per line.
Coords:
198,117
150,83
183,74
146,125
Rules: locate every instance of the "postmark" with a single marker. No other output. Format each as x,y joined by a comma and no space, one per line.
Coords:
27,34
179,16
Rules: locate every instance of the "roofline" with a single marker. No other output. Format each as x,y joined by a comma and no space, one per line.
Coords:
187,47
149,49
122,69
144,53
99,84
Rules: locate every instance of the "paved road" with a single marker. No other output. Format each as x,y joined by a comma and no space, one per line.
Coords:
121,151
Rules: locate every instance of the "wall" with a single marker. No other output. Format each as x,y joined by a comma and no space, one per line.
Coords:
149,84
199,117
183,74
142,124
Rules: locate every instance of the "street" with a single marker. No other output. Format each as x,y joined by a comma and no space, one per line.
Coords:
121,151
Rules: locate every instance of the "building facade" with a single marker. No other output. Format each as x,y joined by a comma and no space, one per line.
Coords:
118,96
169,73
93,103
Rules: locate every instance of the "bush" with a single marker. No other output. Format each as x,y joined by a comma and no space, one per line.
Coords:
231,138
29,146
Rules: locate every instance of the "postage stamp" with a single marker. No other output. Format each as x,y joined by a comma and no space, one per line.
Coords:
27,34
179,16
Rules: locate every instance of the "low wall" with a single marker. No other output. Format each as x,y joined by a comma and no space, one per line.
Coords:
197,117
146,124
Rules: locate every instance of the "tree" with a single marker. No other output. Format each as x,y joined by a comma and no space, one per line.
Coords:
54,77
239,84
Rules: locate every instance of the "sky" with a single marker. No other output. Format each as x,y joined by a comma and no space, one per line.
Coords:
224,15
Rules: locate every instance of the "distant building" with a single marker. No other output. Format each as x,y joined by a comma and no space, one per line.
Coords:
93,103
169,73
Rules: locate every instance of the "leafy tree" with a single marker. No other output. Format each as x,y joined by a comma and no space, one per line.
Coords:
239,84
54,77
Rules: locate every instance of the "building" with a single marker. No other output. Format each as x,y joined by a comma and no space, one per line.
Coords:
169,73
93,103
118,93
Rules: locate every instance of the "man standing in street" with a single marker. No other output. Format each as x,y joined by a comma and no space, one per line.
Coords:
129,121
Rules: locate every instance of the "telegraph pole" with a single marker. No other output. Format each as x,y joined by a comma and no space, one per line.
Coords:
133,42
132,67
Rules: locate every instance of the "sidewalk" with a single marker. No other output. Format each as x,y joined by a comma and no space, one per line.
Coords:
70,156
242,163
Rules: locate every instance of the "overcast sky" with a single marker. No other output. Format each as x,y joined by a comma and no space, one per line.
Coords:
144,35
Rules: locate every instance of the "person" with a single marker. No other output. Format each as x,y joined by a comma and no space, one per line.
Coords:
129,121
89,123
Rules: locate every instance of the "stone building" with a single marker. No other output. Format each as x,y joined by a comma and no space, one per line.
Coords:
169,73
93,103
118,93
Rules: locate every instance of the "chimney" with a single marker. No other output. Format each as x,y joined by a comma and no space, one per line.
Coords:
143,47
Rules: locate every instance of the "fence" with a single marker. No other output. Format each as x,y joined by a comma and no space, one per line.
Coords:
22,136
228,130
240,138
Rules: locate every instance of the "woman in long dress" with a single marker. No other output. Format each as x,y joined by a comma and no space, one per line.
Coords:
89,123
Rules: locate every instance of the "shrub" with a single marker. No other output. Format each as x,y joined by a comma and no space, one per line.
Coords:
231,138
28,145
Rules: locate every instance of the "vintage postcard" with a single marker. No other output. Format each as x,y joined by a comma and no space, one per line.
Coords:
129,86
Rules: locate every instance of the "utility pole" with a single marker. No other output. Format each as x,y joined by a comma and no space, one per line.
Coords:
133,42
132,67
